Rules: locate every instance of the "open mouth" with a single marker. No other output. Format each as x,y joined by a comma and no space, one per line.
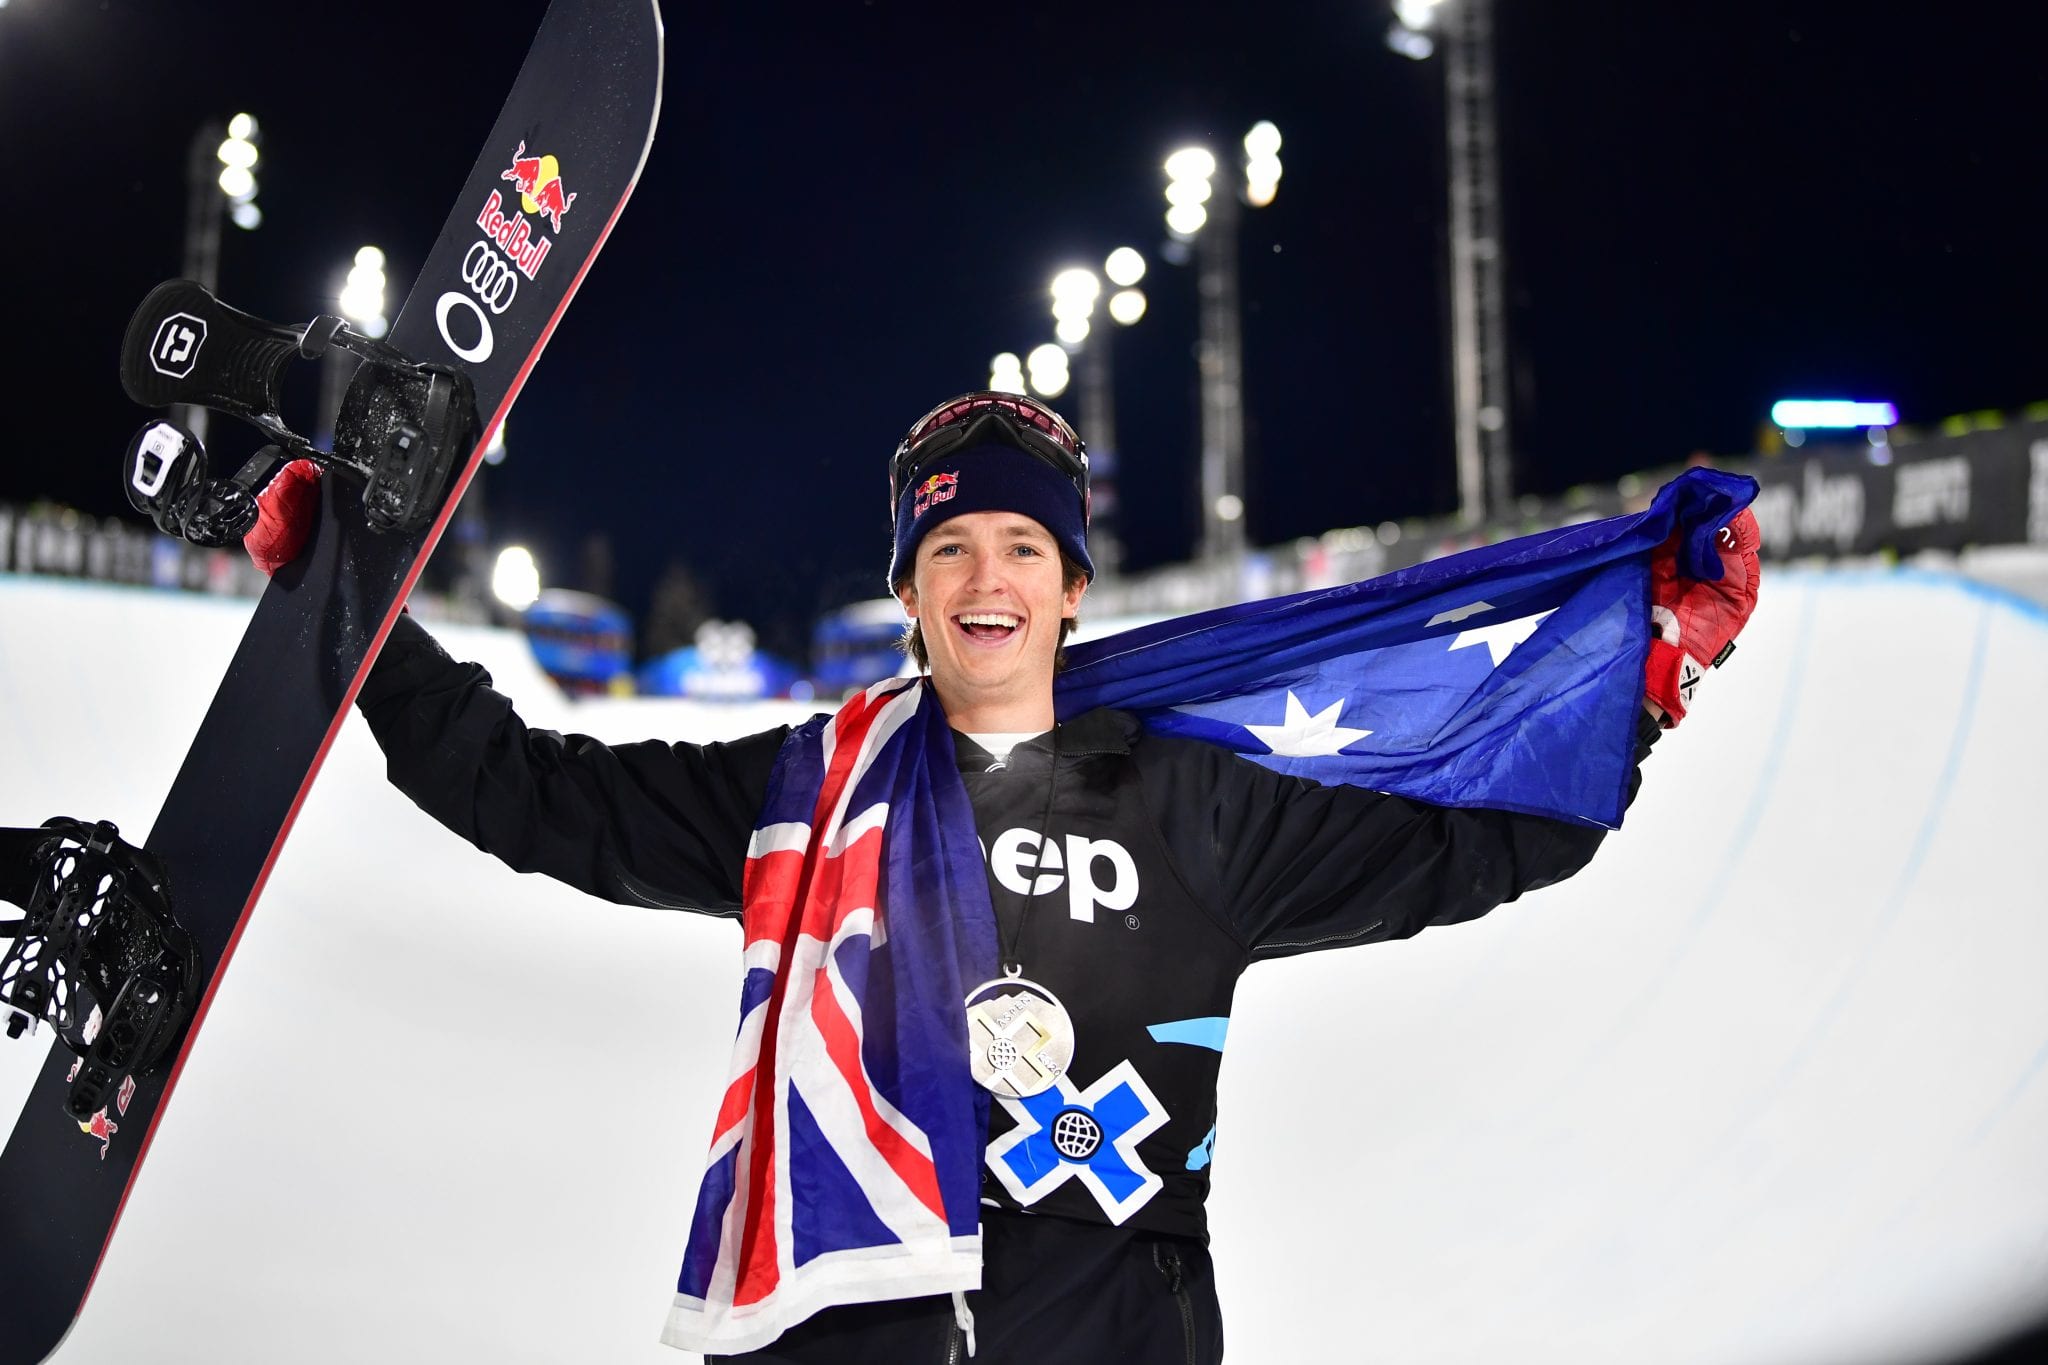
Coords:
990,627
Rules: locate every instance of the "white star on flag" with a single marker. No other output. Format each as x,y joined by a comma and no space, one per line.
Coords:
1501,637
1304,736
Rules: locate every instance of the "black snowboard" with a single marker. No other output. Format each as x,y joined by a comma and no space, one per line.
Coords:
560,163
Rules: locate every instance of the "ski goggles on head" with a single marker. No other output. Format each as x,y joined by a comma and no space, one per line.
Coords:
978,418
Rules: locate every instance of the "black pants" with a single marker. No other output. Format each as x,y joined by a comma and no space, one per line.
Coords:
1052,1291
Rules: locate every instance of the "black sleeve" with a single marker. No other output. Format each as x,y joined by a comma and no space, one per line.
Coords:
1298,867
652,823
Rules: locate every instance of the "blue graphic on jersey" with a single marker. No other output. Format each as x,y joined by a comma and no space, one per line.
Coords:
1205,1032
1081,1135
1208,1032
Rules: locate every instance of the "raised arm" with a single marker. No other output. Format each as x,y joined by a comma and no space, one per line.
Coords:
1294,867
653,823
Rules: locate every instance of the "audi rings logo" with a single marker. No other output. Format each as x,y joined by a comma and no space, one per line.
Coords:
490,277
494,284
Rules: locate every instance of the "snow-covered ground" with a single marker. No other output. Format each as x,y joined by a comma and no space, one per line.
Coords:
1764,1085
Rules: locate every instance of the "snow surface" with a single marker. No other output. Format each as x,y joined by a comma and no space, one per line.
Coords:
1763,1086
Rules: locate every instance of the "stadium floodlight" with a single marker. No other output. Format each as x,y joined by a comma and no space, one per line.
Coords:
1185,220
1127,305
362,298
1048,368
1187,189
238,156
515,579
1125,267
1074,292
1261,164
1006,373
1191,163
1076,283
1409,33
1810,414
1418,15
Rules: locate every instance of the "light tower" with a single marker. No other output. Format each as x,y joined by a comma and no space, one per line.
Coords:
1195,211
220,182
1479,345
1074,294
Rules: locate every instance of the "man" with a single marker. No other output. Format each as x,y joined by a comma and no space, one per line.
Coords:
865,1201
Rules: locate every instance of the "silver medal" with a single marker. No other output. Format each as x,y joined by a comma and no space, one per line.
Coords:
1020,1038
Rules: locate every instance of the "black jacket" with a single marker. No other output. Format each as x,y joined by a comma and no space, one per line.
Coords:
1173,865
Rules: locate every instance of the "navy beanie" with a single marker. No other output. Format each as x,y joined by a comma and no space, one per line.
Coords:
990,478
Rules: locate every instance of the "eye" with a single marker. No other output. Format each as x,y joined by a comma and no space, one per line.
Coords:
941,551
1028,550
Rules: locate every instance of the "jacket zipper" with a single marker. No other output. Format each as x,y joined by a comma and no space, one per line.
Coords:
646,895
953,1343
1170,1266
1329,938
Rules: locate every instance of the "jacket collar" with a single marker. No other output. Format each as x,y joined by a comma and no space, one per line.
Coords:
1092,734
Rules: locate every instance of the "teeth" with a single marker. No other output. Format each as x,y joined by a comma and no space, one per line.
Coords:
990,618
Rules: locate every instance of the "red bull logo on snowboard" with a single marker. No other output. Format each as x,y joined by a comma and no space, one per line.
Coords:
99,1125
538,182
103,1128
539,179
521,244
514,236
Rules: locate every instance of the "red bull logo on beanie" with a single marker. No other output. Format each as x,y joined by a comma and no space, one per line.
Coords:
933,491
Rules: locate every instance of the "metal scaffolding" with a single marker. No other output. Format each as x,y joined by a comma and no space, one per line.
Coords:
1486,481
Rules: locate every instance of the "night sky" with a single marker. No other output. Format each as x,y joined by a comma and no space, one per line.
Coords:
851,206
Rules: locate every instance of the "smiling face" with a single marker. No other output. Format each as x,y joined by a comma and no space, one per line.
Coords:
986,590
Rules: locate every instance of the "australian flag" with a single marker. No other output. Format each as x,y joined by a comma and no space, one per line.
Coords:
1507,676
846,1159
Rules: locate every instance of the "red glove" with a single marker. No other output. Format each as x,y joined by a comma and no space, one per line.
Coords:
285,512
1693,622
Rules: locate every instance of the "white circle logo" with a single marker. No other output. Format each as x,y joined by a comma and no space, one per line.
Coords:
479,352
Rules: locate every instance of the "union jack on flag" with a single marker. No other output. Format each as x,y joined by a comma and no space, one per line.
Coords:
845,1161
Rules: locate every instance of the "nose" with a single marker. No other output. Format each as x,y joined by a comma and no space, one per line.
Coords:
987,573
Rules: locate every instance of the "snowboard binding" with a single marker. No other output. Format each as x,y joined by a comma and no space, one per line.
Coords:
403,426
98,956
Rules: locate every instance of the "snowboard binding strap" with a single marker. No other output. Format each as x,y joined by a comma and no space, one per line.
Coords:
98,956
402,428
